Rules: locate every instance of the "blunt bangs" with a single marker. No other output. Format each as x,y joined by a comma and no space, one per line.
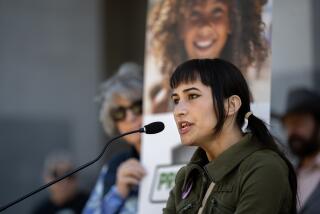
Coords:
189,72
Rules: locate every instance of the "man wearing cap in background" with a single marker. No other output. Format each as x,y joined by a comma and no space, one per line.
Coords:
302,123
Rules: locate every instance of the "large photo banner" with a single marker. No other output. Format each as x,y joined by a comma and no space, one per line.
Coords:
177,30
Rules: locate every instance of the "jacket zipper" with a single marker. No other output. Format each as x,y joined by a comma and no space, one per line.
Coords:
188,206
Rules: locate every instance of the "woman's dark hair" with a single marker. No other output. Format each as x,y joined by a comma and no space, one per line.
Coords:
226,80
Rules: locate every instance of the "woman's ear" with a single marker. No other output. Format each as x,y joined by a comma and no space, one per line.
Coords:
232,105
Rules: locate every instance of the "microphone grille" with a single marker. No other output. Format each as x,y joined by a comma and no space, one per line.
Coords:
154,127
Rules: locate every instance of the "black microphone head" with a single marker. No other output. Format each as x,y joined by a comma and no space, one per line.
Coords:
154,128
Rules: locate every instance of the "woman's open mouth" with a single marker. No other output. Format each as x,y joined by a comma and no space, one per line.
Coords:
184,127
203,44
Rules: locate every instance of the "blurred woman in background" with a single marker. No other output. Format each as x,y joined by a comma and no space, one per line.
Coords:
116,190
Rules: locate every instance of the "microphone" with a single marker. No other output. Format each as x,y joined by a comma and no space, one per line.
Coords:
152,128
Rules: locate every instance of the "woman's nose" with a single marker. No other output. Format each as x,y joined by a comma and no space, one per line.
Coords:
206,29
180,109
130,116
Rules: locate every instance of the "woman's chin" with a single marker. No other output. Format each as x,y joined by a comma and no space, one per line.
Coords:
187,142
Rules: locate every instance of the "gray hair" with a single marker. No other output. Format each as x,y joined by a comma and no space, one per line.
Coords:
126,83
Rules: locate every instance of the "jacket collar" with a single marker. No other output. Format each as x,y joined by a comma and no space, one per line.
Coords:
228,160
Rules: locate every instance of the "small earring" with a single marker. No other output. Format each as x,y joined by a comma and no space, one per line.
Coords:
245,126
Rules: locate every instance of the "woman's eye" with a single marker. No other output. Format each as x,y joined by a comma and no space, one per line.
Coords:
217,13
193,96
175,101
193,16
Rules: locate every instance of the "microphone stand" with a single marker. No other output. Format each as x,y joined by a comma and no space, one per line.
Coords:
70,173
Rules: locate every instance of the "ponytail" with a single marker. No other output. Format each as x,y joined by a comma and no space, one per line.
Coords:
261,132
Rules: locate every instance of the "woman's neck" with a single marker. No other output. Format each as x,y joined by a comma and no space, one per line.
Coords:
222,142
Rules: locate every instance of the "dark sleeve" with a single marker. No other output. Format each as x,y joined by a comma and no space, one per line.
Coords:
115,162
43,206
264,186
80,201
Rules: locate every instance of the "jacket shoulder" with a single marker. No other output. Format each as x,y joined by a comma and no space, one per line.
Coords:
266,167
265,158
264,180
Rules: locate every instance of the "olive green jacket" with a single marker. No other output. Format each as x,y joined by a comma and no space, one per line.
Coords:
248,180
